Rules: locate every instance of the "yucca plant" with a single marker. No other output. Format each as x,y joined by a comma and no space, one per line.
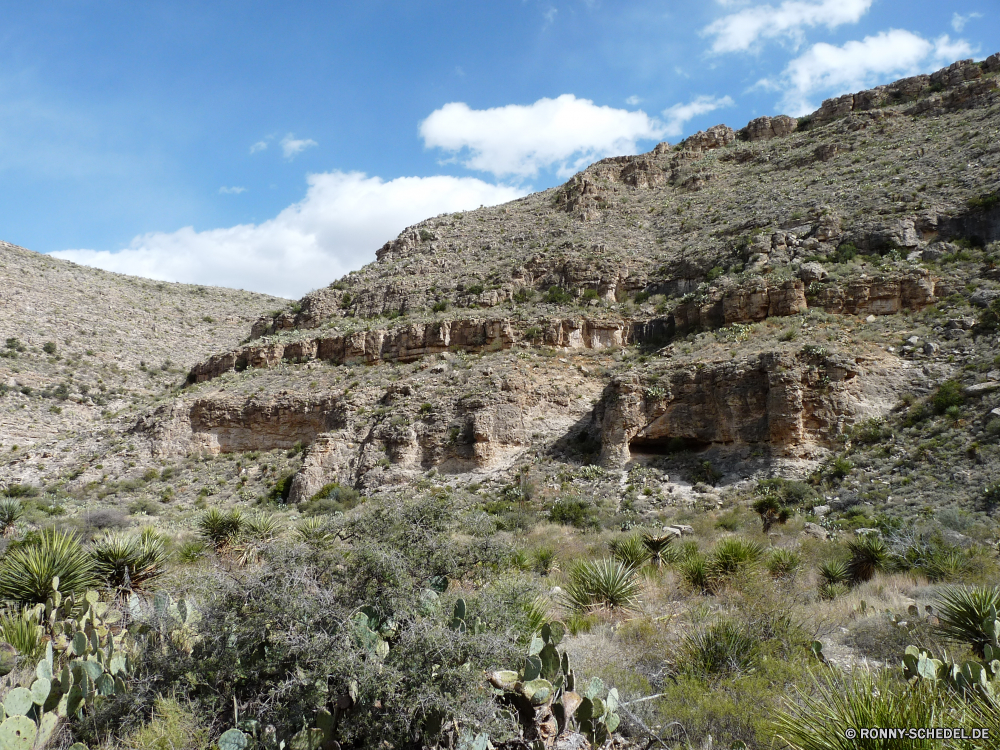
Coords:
602,584
191,551
11,511
256,532
660,550
221,529
734,555
783,563
834,571
963,611
629,551
26,573
537,613
519,559
126,562
695,573
545,560
869,555
23,633
313,532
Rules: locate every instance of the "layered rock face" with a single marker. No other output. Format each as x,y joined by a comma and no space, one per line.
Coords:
791,403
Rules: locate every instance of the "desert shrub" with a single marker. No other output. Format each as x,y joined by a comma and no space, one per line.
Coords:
20,490
49,347
871,431
289,636
556,295
282,488
100,520
332,498
602,584
545,560
191,551
948,394
439,306
26,572
574,512
841,467
173,726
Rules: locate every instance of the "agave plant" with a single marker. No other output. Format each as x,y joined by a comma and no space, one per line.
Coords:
23,633
869,555
126,562
221,529
962,613
629,551
660,550
26,573
10,511
733,555
602,584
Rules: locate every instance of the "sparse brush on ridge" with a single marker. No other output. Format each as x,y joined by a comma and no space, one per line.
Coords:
26,573
127,562
602,584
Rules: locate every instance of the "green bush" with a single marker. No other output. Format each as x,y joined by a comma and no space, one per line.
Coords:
783,563
282,488
49,347
221,529
574,512
556,295
125,561
331,498
948,394
733,556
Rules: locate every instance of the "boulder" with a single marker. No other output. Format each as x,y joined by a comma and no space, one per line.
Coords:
810,272
816,531
983,297
981,389
821,510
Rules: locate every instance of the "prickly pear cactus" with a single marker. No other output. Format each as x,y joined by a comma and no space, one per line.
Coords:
543,693
233,739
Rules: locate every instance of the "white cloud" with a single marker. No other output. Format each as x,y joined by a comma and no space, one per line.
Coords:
234,190
677,115
958,21
336,228
565,132
740,31
258,146
829,70
291,146
633,101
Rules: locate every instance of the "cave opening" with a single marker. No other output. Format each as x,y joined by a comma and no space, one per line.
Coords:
663,446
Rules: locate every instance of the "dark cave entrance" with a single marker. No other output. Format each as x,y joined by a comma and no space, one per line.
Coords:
666,446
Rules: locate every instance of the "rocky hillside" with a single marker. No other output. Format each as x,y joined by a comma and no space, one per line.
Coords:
744,298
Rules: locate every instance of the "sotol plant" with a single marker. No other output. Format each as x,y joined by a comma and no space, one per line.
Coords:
597,584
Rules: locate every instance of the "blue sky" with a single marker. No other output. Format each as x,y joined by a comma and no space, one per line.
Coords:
275,146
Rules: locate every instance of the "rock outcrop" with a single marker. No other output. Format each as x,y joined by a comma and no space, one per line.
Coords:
791,403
